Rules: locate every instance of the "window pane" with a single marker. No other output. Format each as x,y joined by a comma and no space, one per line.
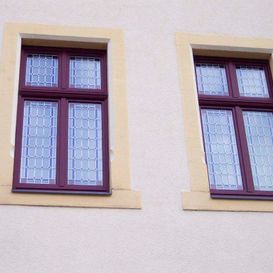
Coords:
42,70
85,144
85,72
252,82
211,79
38,158
259,133
221,150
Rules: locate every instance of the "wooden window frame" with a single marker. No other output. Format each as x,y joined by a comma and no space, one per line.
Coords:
236,104
63,94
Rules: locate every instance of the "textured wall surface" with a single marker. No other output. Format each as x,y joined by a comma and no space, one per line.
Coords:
161,237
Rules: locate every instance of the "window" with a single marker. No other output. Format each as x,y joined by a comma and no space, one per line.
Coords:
62,122
235,98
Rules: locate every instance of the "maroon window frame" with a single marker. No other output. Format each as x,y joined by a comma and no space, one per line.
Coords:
237,104
62,94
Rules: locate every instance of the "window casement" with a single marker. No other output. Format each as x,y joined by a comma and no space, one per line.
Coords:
62,122
236,108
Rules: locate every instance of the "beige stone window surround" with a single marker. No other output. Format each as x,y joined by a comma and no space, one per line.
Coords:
16,34
188,45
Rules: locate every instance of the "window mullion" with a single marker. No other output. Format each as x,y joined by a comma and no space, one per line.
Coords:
233,80
242,141
62,142
64,71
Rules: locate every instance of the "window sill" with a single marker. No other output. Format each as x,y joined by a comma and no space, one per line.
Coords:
74,192
197,200
120,199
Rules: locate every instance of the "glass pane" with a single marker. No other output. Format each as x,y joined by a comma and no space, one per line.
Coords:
211,79
84,73
38,158
42,70
85,144
259,133
252,82
221,150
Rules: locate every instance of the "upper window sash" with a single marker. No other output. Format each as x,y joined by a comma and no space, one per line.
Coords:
240,84
212,79
42,70
96,78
